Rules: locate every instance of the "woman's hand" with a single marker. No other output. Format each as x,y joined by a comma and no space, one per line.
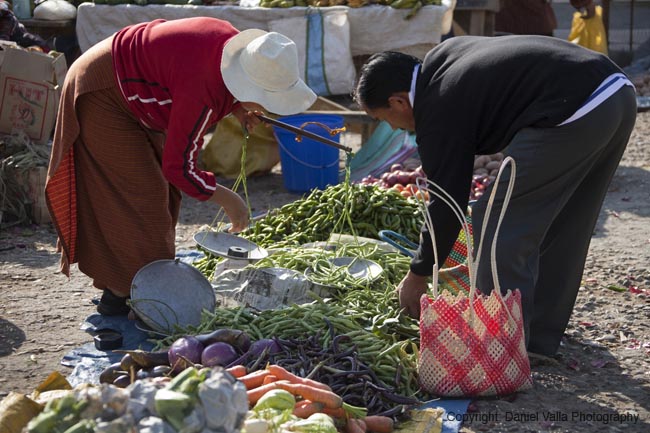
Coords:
246,117
409,291
234,206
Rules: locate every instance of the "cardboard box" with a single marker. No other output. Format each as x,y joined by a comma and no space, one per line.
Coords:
30,88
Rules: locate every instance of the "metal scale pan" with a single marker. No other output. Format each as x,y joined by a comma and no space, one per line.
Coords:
166,294
229,246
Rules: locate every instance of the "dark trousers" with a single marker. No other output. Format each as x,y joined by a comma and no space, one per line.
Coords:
562,176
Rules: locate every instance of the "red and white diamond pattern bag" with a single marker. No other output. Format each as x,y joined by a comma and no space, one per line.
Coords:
472,344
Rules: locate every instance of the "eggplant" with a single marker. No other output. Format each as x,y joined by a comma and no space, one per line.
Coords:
235,337
127,363
146,359
122,381
218,353
160,371
185,352
142,374
265,346
111,372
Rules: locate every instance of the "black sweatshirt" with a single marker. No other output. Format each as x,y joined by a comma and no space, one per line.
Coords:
473,94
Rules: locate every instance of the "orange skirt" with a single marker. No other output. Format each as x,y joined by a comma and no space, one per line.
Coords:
113,209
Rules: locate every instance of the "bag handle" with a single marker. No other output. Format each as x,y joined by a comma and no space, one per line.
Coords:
422,184
488,211
472,264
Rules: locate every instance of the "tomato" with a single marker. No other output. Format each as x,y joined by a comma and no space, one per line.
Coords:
412,188
422,195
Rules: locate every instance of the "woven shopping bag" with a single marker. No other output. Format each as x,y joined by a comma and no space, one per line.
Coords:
454,280
454,274
473,344
458,254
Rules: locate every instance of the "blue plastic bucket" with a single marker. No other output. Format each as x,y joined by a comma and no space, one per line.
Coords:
308,164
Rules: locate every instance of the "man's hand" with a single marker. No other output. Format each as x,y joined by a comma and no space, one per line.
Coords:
409,291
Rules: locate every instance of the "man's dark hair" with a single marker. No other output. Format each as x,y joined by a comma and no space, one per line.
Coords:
383,75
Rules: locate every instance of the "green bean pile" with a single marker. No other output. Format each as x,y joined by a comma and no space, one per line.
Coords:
300,259
361,210
391,357
367,312
325,273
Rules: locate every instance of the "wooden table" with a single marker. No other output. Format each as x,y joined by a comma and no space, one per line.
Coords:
475,17
48,29
63,30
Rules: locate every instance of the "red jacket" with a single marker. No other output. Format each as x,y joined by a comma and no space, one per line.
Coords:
169,74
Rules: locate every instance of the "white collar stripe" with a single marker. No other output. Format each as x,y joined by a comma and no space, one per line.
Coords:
414,79
607,88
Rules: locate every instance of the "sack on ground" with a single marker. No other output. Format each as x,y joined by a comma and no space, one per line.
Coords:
323,42
222,154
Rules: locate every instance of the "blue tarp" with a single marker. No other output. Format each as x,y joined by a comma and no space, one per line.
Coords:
384,148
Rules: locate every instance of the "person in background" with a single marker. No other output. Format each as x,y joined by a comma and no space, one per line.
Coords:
562,112
533,17
132,117
12,30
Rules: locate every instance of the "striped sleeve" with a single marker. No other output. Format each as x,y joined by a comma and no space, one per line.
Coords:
185,134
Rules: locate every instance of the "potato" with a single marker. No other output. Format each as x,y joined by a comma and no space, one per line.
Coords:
638,81
481,170
481,160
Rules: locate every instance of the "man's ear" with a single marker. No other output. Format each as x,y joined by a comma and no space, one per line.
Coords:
400,102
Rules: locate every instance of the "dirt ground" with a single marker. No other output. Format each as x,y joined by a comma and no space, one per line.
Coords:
599,381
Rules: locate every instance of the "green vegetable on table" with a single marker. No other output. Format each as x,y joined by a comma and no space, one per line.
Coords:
58,415
276,399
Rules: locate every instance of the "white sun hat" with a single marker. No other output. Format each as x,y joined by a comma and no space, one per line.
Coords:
262,67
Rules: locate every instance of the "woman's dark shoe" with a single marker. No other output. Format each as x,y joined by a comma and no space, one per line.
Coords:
112,305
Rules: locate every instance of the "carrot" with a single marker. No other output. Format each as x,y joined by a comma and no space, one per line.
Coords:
339,412
237,370
379,424
284,374
353,426
268,379
254,379
306,408
328,398
256,393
